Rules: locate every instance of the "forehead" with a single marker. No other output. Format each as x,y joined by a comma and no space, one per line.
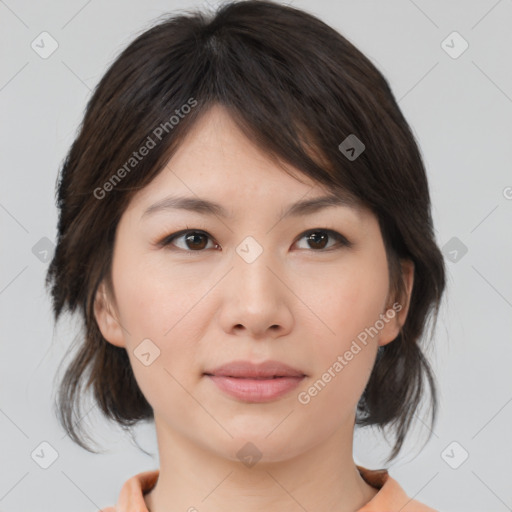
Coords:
217,167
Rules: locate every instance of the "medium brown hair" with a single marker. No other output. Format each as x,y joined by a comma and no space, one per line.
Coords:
297,89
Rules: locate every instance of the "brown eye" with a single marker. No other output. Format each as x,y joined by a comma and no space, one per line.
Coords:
194,241
317,239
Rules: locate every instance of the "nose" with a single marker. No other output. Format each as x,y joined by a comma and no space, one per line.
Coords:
257,300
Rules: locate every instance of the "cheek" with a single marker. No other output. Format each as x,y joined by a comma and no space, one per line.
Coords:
175,367
346,342
148,304
344,354
163,311
348,300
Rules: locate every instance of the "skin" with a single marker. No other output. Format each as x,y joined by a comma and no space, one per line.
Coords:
296,303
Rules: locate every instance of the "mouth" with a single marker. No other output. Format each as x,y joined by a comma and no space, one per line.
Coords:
255,390
256,371
255,383
249,377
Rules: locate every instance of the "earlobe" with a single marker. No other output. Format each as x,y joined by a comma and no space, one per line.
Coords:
398,310
106,318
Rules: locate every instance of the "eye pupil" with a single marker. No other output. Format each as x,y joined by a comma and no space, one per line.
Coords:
317,237
193,236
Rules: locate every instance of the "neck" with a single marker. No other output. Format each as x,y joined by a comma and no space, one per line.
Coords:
323,478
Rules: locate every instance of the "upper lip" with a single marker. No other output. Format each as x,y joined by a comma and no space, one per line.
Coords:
267,369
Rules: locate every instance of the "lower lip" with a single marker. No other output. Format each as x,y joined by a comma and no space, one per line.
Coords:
256,390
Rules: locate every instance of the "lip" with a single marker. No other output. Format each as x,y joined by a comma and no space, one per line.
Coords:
255,390
248,370
250,382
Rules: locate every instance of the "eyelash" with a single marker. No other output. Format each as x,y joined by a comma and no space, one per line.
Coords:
342,241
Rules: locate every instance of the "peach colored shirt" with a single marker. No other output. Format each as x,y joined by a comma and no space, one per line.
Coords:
390,498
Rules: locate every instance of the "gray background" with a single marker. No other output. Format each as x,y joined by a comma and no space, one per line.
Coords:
460,110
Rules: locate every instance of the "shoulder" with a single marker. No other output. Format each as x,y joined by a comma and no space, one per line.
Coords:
131,497
390,496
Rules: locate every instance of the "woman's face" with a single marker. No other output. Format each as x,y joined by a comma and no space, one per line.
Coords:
251,286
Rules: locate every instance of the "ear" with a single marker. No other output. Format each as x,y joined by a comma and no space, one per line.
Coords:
107,317
396,312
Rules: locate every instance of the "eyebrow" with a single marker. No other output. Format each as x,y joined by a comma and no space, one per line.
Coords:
205,207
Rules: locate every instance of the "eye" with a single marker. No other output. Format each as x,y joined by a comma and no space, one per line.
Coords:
197,240
194,240
318,238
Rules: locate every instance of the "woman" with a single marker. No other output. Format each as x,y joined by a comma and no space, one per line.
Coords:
245,229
